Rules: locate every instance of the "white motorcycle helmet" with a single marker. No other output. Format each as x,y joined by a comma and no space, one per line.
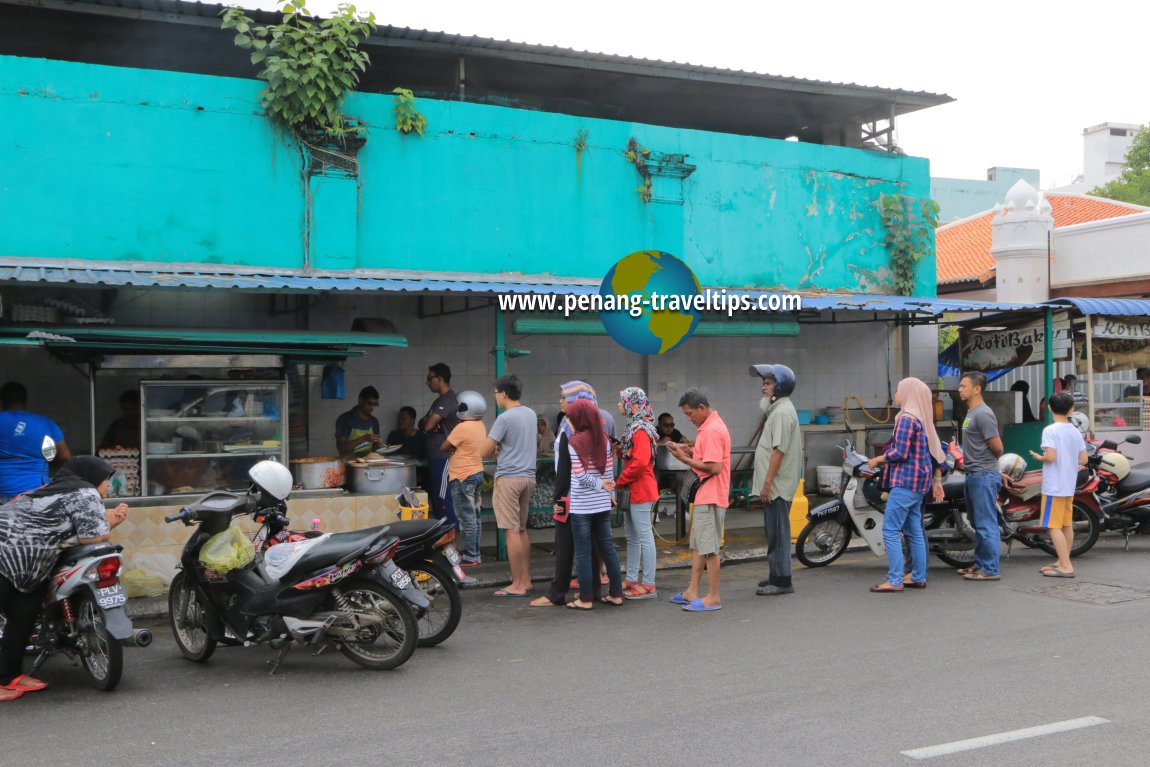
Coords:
1012,465
1115,463
472,405
272,478
1080,421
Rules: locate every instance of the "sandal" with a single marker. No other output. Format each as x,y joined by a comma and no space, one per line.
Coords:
25,683
964,571
610,600
627,585
7,693
1050,571
579,604
978,575
543,601
885,588
641,592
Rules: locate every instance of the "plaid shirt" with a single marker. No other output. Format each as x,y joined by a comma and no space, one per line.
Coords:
909,463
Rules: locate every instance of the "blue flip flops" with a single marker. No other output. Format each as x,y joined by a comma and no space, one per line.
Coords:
678,599
698,607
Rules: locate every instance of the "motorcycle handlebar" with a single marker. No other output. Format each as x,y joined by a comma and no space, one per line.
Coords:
180,516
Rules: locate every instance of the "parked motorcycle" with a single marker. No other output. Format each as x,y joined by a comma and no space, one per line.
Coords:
341,590
426,550
1122,496
83,615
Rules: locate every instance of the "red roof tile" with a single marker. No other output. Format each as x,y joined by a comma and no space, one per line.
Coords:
963,247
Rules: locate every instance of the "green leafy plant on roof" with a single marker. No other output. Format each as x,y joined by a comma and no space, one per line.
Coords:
909,224
309,65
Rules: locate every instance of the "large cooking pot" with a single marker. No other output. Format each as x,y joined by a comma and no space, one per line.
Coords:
381,478
318,473
666,461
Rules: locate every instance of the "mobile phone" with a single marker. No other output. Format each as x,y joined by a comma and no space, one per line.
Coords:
561,516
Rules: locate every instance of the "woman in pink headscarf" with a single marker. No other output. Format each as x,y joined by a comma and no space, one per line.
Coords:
913,458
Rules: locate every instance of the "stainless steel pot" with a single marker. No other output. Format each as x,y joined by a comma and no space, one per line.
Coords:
665,461
318,473
382,478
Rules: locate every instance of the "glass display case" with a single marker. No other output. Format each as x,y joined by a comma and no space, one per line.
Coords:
205,435
1113,409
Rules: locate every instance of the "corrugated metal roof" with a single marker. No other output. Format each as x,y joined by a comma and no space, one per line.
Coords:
173,10
1107,307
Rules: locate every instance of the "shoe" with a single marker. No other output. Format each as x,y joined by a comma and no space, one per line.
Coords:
773,591
886,588
764,583
468,581
470,562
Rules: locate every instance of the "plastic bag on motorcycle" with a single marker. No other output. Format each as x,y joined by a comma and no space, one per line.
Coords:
226,552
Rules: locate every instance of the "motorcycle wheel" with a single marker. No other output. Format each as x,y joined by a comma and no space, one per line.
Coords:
1086,530
391,644
822,542
954,557
101,656
186,616
442,616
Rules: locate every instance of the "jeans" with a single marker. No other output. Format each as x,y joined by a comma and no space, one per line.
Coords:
438,496
565,560
20,611
777,523
904,515
586,528
467,500
640,543
982,508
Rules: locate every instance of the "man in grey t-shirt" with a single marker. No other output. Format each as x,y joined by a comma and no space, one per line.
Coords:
981,447
513,435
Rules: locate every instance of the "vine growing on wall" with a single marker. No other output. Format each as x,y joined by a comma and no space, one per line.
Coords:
309,65
638,156
407,117
909,224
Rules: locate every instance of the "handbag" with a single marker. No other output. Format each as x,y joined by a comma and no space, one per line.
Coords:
694,489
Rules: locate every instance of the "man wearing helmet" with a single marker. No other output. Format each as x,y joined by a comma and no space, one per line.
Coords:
1063,451
981,448
465,471
778,469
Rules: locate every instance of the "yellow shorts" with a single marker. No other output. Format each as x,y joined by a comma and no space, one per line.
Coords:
1057,512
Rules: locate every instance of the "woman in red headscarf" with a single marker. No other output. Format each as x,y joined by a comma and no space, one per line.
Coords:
592,484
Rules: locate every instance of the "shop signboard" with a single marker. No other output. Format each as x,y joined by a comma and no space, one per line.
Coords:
997,348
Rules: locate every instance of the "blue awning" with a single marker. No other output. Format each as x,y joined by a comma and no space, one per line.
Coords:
1106,307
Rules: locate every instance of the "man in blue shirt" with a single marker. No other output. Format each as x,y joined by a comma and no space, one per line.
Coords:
22,435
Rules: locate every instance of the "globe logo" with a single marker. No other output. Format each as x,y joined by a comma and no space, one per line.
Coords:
660,291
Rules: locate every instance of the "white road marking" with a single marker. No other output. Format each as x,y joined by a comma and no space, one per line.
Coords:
1004,737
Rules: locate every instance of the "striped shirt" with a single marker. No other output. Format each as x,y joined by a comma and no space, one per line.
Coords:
909,463
587,493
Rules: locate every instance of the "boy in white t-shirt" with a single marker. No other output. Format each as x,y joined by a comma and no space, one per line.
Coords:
1063,452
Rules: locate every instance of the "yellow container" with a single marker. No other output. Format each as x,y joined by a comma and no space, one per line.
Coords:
407,512
799,508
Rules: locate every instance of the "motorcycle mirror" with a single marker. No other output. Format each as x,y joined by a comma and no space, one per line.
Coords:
48,449
1133,439
1109,445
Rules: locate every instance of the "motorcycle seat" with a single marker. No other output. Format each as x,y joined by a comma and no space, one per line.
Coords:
1137,479
336,548
954,485
74,554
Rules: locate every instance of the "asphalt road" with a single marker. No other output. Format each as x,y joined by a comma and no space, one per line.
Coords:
829,675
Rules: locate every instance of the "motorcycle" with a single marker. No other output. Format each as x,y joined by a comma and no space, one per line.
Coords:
83,615
426,551
341,590
1122,496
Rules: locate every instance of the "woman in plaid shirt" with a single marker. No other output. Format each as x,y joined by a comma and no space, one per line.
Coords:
912,458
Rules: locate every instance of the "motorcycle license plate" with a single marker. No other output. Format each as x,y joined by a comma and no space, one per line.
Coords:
451,554
112,596
401,579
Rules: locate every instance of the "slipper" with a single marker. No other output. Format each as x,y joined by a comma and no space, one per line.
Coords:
698,607
967,570
678,599
576,606
978,575
609,601
25,683
7,693
914,584
1054,572
506,593
885,588
542,602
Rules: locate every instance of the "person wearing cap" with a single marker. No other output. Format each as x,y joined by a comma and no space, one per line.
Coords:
778,469
464,445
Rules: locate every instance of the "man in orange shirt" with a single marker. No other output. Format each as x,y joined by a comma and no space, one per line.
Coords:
710,459
465,472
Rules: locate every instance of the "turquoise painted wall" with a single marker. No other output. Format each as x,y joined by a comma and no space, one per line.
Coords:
112,164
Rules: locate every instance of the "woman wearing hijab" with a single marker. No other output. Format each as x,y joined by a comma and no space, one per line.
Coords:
556,595
32,527
638,453
589,504
913,456
1027,414
545,439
